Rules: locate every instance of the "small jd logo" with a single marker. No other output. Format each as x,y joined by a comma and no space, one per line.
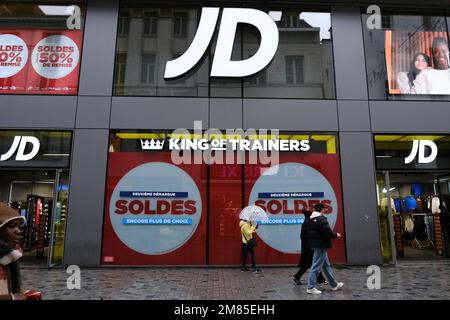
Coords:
419,147
222,65
19,144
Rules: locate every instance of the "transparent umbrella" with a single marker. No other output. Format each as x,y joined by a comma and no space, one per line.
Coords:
253,214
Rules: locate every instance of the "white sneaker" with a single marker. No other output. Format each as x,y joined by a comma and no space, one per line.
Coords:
313,291
338,286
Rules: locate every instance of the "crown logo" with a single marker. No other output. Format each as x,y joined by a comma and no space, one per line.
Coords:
152,144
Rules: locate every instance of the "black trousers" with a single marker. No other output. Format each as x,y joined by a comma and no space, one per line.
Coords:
306,263
246,249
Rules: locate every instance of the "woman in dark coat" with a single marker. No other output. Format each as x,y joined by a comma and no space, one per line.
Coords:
307,254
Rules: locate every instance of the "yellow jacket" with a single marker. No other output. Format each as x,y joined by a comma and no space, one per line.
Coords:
246,230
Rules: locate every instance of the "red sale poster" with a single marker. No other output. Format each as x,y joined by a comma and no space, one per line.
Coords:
40,61
315,175
160,211
155,212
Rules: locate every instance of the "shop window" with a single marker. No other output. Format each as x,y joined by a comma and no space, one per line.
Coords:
34,168
260,79
156,212
413,194
150,24
386,21
148,68
121,61
407,58
303,64
301,68
177,82
180,21
124,24
294,69
150,27
290,20
39,53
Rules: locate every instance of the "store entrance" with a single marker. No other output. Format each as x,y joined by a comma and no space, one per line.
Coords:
413,209
41,197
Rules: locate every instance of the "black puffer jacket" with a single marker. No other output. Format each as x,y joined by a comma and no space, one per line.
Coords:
319,232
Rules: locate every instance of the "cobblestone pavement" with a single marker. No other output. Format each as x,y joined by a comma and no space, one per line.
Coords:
408,280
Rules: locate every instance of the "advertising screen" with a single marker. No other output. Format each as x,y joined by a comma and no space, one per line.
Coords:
417,62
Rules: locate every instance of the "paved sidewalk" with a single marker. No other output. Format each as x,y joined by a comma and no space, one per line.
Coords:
409,280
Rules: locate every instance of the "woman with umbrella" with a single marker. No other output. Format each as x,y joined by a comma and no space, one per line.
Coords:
248,224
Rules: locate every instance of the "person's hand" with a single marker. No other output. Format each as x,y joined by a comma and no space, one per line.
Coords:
339,235
32,295
19,296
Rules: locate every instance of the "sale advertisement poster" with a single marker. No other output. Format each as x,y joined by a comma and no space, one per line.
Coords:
155,211
297,183
162,211
40,61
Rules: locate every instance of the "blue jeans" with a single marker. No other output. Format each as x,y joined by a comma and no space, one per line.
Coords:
320,262
429,223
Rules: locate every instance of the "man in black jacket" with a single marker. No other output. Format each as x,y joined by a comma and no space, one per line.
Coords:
306,257
319,239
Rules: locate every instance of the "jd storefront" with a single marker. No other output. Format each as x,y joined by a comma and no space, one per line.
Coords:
34,179
413,183
167,206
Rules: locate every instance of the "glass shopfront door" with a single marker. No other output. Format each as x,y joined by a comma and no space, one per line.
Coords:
444,191
413,195
413,215
388,248
34,179
58,227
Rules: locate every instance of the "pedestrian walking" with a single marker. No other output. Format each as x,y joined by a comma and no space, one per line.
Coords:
306,256
319,239
10,253
248,244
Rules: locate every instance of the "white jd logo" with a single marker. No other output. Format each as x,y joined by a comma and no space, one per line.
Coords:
222,65
20,144
419,147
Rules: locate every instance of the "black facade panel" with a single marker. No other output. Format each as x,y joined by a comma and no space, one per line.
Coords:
87,189
37,112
